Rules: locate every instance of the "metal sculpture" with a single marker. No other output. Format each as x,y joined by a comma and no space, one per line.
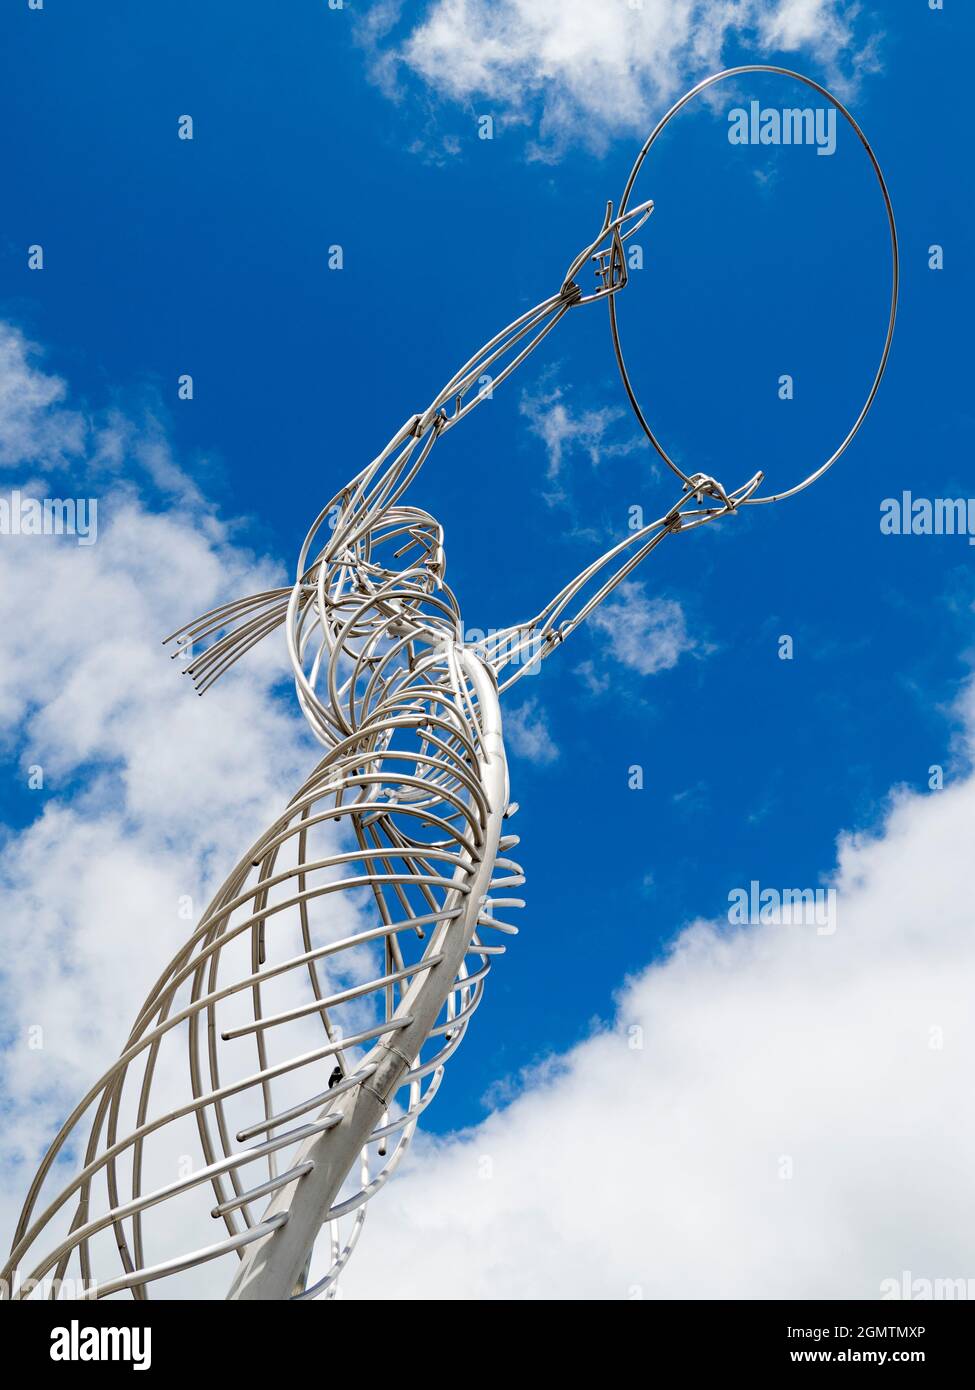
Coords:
316,1038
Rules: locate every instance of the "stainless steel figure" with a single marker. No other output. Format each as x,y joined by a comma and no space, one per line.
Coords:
283,1058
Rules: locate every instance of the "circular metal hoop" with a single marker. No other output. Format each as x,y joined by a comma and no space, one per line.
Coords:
895,276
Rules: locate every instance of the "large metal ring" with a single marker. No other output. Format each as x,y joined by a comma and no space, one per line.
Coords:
895,277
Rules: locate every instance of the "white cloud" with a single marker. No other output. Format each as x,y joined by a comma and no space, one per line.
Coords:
618,1167
595,681
646,634
585,74
149,793
527,734
39,432
563,431
654,1159
805,22
35,427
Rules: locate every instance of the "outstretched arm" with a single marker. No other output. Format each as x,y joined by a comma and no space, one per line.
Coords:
516,651
383,482
333,541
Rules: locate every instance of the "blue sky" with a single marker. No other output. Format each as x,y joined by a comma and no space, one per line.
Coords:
210,257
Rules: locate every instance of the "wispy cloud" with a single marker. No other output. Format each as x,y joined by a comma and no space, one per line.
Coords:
135,797
566,431
596,682
573,72
36,427
647,634
42,432
527,733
